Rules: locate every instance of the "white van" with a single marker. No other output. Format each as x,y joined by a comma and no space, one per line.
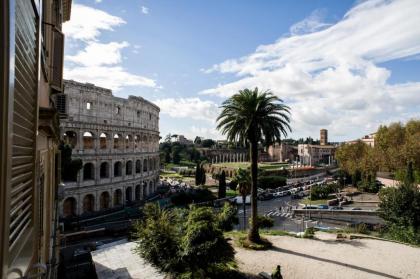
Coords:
238,199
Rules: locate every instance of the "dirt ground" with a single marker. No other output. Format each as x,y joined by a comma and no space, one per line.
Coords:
326,258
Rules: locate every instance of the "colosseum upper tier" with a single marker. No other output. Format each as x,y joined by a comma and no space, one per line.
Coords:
117,140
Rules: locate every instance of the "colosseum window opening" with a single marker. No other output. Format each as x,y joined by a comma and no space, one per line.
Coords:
138,166
129,168
88,203
88,105
117,197
137,193
70,138
128,141
128,193
88,172
87,140
103,141
104,170
117,141
104,200
145,166
117,169
69,207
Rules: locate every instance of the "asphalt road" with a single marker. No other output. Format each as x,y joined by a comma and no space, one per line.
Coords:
280,210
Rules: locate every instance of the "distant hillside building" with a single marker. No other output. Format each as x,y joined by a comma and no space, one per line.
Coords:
323,137
183,140
282,152
368,139
310,154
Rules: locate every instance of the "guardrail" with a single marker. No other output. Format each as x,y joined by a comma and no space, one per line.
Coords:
346,216
338,212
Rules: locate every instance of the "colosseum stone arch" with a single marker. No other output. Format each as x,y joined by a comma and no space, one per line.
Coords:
117,140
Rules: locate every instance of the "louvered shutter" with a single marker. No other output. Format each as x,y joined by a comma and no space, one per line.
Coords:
24,125
57,61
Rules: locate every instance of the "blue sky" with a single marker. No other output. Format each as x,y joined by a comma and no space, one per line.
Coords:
342,65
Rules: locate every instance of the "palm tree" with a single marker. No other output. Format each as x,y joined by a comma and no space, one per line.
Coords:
252,117
243,179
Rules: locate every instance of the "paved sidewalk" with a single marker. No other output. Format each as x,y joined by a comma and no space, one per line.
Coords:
117,260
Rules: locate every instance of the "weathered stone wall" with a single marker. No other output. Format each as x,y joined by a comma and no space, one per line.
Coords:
117,140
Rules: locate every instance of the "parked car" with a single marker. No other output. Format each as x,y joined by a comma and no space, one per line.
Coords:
356,208
336,208
323,206
265,196
310,207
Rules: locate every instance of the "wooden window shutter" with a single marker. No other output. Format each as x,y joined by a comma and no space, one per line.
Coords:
57,60
24,127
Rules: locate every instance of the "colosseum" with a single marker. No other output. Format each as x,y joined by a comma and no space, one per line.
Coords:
117,140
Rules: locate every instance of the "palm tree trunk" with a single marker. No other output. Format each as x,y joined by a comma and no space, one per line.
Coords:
253,234
243,205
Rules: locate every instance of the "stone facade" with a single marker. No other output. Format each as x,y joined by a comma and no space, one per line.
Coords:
117,140
311,154
224,155
282,152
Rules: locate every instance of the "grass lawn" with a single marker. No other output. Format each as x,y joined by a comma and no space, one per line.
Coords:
235,165
316,202
244,165
231,193
170,174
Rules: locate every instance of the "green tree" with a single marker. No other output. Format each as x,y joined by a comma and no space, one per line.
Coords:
176,156
203,175
69,167
197,140
243,181
222,185
203,244
227,217
198,175
208,143
252,117
158,238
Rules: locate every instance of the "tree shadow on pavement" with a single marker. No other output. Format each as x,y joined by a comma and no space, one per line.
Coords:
277,249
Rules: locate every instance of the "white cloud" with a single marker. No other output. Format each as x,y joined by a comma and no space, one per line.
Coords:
144,10
330,76
87,23
99,63
208,133
97,54
310,24
193,108
98,1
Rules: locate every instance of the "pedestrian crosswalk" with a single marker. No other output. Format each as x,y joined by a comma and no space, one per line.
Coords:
287,214
278,213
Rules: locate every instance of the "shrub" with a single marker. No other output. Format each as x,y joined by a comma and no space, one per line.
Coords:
233,184
403,234
264,221
195,248
198,195
227,217
309,232
222,185
271,181
158,238
203,244
320,192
